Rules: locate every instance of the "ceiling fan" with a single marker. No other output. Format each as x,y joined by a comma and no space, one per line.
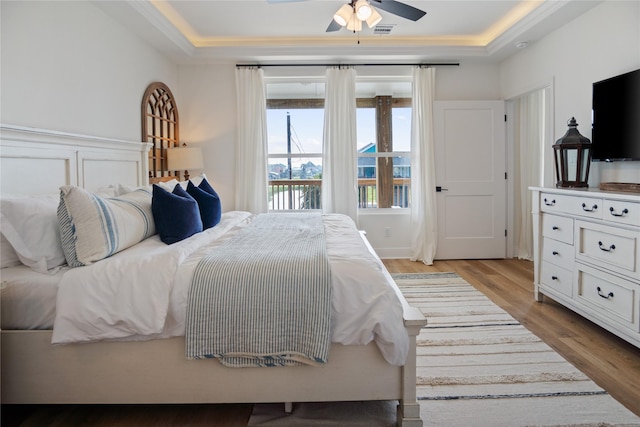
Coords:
352,14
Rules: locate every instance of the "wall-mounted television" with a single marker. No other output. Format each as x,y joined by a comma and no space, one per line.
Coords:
616,118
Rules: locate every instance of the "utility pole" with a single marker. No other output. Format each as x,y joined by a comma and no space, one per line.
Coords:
289,159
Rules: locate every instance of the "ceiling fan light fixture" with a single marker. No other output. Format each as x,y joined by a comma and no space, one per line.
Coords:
374,19
363,10
343,15
354,23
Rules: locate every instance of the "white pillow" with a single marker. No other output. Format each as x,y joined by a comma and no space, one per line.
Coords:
8,255
171,184
30,225
95,227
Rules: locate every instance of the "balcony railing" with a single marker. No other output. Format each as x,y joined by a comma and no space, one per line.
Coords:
294,194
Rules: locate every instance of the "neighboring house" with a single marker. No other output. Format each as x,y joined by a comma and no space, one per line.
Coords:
367,165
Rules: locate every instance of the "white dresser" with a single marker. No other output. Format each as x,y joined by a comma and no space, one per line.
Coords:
587,255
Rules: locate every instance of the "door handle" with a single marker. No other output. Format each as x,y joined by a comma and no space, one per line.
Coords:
440,189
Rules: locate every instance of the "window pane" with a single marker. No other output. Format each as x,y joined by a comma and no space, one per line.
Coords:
401,128
368,184
295,158
295,194
366,130
301,167
401,182
306,130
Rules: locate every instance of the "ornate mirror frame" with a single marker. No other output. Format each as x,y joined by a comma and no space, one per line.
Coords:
160,127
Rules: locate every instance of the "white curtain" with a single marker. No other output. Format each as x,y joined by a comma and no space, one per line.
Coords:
528,150
251,151
424,221
339,167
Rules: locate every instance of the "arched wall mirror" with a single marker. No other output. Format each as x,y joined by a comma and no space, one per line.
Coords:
160,126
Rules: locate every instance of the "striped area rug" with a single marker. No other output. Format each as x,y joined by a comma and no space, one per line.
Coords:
478,366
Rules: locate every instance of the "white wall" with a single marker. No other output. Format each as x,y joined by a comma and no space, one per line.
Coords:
602,43
208,118
67,66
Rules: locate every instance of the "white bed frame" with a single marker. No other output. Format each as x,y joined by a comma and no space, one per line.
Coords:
35,161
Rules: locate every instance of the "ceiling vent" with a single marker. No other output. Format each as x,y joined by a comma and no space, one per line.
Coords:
383,29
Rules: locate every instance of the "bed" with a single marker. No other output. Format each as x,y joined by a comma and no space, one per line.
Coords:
153,368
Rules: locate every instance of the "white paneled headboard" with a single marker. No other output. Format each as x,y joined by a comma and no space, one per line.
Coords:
38,161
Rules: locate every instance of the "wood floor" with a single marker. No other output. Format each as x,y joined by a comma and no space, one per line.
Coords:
609,361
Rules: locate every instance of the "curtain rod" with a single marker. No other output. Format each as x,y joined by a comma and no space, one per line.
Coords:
432,64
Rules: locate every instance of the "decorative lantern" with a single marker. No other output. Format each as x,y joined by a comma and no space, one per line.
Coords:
573,157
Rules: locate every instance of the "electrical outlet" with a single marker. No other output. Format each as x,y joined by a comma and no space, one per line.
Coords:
387,232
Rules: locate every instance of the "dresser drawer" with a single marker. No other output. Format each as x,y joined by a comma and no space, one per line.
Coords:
591,207
608,247
558,228
609,295
557,278
558,253
622,212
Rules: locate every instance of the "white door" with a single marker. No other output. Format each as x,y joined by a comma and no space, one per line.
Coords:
470,152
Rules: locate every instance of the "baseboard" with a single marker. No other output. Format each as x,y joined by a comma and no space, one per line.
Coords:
394,253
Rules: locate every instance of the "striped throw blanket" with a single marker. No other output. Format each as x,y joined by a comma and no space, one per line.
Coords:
263,298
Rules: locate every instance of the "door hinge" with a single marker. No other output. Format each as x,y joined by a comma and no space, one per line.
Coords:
505,233
505,175
505,117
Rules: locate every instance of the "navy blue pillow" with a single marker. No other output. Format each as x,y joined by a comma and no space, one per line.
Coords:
208,201
176,214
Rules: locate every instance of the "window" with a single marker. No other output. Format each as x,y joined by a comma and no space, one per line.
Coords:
384,162
295,155
295,128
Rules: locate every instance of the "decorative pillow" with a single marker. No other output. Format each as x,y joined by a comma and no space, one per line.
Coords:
176,214
94,227
30,225
208,202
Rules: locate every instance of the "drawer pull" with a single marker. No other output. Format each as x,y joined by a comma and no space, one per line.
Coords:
602,248
554,253
586,209
555,227
609,295
550,203
613,211
554,277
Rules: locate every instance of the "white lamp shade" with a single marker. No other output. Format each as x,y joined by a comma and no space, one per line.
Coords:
184,158
343,15
374,19
363,10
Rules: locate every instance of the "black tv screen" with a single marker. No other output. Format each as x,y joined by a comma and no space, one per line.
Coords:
616,118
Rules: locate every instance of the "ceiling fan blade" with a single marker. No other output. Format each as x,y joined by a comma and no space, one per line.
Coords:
334,26
400,9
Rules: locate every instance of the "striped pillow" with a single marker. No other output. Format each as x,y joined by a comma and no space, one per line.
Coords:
94,227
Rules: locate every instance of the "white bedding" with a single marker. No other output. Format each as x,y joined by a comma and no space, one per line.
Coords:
28,298
141,293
